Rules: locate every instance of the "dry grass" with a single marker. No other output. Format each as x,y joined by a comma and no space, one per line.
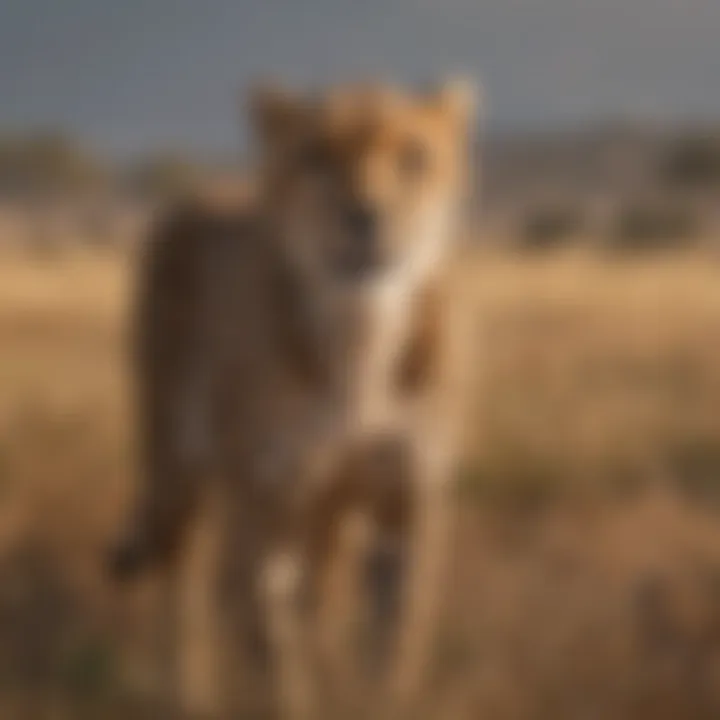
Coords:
587,577
599,374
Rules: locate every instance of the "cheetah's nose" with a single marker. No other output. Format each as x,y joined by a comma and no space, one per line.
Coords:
362,249
362,221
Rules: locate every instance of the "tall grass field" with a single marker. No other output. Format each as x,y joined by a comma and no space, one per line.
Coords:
585,579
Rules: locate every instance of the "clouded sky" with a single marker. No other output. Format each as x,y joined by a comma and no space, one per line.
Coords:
133,74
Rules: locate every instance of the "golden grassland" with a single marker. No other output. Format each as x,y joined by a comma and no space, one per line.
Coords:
586,577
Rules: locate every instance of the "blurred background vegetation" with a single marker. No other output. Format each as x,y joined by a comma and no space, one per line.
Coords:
622,187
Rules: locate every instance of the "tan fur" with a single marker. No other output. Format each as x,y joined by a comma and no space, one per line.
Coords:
305,383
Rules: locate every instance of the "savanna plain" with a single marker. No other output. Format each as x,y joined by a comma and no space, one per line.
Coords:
585,577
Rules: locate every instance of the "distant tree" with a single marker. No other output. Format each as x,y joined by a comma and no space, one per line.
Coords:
48,163
163,175
654,226
693,163
550,226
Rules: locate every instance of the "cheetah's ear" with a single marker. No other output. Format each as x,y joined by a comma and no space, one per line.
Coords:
460,98
275,113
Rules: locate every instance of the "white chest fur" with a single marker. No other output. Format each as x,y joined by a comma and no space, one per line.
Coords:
373,402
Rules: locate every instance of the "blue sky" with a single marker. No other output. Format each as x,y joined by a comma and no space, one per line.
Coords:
137,74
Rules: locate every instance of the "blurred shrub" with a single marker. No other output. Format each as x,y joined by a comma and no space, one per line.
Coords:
654,226
693,163
163,175
47,163
549,227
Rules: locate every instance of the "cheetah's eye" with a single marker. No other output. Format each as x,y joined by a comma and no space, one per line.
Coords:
315,159
414,158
